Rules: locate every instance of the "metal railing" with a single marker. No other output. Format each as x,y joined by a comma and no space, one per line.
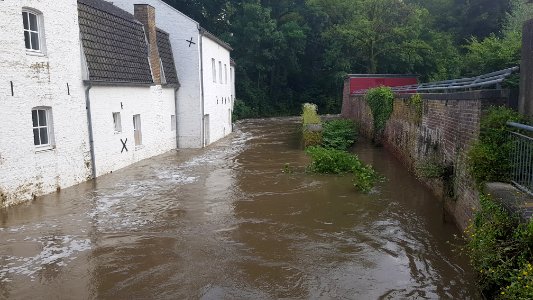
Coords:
481,81
522,156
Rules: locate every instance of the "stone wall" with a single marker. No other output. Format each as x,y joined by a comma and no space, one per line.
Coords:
443,134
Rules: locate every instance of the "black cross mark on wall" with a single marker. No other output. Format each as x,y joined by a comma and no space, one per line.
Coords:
191,42
124,145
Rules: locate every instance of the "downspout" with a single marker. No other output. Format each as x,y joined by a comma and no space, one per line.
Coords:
176,111
90,127
202,84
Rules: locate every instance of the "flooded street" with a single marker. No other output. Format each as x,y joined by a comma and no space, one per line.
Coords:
226,222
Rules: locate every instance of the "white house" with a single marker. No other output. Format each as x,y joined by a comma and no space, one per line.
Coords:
206,95
44,143
130,83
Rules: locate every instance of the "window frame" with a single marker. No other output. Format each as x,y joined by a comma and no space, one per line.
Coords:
40,31
214,67
117,122
220,72
48,126
137,130
225,73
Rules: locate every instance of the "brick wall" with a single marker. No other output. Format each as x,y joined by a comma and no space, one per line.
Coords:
448,127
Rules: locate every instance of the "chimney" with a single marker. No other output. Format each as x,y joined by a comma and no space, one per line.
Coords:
145,14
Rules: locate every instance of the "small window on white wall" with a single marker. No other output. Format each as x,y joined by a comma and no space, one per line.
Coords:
137,133
42,126
117,123
33,30
231,74
220,72
214,70
226,73
172,123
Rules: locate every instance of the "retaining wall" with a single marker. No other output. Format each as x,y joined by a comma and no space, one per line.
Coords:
448,126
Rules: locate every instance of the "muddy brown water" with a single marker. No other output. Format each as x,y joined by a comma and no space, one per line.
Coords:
226,223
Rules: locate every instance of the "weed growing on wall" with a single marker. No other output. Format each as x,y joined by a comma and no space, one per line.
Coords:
501,251
416,104
339,134
332,161
381,102
489,159
431,170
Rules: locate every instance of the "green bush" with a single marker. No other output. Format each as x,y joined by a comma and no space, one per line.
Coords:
242,111
489,159
332,161
339,134
501,251
381,102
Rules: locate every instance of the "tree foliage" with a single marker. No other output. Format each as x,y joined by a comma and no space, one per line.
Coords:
289,52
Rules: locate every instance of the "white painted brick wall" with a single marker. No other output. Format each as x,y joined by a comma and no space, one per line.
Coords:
187,60
154,104
41,81
217,95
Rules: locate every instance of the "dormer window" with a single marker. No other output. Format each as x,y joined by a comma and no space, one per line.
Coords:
32,31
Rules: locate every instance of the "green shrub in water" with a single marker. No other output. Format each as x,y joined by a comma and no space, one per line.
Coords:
501,251
310,114
339,134
332,161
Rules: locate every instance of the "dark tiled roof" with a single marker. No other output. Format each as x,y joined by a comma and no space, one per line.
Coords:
165,53
114,43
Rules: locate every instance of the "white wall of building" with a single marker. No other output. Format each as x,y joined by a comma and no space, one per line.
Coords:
218,90
187,59
154,104
41,79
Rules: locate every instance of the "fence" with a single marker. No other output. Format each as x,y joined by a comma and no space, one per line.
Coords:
493,79
522,156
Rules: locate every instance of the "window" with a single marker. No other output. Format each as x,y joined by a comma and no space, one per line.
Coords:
117,123
137,134
231,74
226,73
172,123
32,30
220,72
214,70
42,126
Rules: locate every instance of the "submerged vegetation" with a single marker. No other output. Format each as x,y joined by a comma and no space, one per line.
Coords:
312,125
339,134
327,146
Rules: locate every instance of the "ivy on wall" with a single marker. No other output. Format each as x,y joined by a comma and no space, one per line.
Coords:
381,102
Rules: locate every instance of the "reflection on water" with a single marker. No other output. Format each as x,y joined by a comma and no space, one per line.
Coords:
226,222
